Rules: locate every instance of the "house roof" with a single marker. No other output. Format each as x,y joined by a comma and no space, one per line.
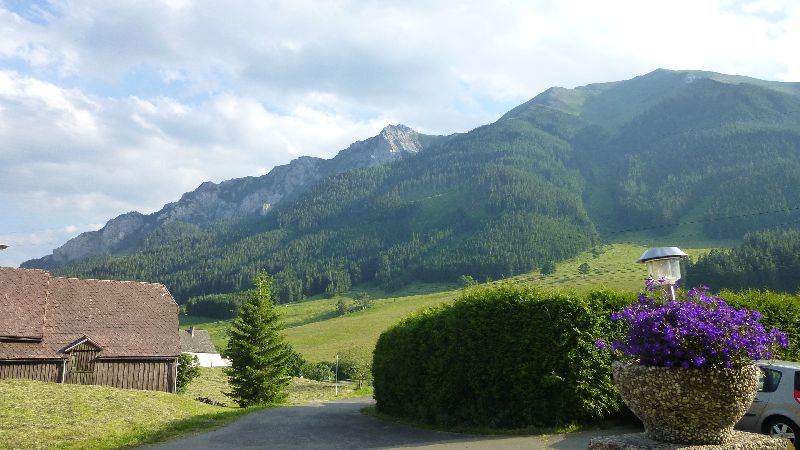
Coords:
124,318
199,343
21,309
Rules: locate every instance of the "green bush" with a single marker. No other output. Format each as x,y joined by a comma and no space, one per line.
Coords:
503,356
513,356
300,367
355,366
781,311
188,370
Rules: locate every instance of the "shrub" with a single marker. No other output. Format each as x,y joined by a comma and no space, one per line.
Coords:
502,356
188,370
300,367
355,366
511,356
320,371
781,311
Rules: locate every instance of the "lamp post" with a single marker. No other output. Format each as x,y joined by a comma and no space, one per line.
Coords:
664,266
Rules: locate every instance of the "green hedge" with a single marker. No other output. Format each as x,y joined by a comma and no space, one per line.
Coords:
506,356
781,311
514,356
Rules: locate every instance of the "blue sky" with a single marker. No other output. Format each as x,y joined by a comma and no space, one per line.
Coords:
114,106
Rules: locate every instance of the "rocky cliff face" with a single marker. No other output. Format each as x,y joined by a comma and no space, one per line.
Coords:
394,142
119,233
243,196
237,198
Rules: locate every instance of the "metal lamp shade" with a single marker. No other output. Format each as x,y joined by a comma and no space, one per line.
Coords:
663,264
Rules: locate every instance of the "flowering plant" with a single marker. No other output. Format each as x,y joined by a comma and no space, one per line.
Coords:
700,330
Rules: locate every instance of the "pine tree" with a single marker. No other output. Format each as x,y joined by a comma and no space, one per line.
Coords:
257,350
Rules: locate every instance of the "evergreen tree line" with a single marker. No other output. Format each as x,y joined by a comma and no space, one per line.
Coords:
764,260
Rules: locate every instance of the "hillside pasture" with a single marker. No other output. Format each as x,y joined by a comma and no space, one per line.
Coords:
318,332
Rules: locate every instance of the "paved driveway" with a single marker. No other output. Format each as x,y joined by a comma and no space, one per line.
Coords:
340,425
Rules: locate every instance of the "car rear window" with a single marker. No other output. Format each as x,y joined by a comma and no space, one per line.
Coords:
797,380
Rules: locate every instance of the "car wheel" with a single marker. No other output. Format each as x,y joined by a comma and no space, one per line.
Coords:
781,427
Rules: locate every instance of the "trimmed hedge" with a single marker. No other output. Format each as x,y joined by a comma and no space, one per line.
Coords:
781,311
505,356
515,356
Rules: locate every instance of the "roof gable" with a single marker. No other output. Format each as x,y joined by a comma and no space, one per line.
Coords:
23,299
199,343
79,342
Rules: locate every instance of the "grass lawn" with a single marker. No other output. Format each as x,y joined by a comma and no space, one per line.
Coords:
47,415
35,415
213,384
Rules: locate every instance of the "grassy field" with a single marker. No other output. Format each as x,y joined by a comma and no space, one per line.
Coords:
213,384
315,329
47,415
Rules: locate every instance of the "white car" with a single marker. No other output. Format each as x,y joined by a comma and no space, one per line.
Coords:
776,408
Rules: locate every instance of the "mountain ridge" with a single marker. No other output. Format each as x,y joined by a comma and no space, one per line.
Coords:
549,179
238,197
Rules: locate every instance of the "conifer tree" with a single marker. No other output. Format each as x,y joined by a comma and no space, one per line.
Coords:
257,350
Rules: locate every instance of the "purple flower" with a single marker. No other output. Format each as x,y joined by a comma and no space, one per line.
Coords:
699,330
601,344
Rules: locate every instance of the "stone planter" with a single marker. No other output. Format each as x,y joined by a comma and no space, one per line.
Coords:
687,406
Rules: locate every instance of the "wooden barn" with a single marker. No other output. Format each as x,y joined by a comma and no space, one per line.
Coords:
67,330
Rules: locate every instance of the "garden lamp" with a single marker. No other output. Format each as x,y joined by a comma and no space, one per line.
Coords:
664,266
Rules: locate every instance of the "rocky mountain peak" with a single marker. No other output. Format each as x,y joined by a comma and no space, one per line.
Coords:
400,138
392,143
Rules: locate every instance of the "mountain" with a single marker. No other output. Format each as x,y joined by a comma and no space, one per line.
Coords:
237,198
552,177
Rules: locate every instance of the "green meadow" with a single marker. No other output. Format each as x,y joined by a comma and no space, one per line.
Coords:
318,332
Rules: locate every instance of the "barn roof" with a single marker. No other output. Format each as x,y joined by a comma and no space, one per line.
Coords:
196,341
124,318
21,305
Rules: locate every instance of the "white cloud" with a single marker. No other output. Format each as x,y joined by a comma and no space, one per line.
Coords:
70,155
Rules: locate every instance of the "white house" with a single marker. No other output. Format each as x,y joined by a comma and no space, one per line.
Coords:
198,343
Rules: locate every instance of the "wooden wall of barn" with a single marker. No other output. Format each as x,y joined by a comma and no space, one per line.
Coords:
151,375
31,370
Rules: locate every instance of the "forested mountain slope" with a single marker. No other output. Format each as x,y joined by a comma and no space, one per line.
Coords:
546,181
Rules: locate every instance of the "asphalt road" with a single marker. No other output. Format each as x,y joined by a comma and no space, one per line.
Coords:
340,425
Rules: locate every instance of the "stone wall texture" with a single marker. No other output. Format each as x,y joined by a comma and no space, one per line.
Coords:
738,440
687,406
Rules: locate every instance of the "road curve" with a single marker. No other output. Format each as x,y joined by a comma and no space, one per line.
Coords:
340,425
